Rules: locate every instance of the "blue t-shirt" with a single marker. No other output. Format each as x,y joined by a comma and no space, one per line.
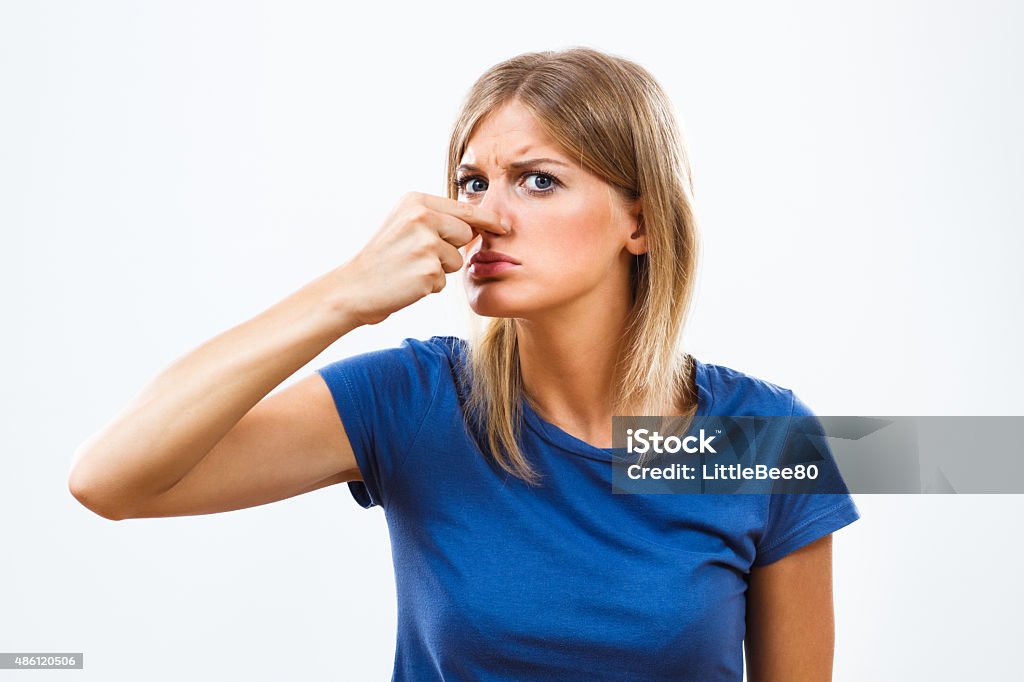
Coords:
500,581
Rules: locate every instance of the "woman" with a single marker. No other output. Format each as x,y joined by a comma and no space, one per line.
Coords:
570,207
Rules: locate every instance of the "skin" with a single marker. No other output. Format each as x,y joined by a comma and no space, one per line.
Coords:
790,625
574,239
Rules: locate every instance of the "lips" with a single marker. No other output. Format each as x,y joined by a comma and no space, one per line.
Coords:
484,265
492,257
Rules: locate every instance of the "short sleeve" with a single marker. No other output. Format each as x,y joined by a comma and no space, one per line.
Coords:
383,398
795,519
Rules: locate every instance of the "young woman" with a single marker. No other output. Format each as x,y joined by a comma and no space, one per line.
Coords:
570,216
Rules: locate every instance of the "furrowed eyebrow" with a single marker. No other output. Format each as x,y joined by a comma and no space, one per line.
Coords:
517,165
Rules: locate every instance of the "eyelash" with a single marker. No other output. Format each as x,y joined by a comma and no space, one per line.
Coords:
460,183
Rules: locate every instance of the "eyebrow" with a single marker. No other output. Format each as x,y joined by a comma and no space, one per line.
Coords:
516,165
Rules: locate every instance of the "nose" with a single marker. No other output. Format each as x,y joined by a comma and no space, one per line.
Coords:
495,199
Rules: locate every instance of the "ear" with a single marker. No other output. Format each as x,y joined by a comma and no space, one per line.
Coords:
637,242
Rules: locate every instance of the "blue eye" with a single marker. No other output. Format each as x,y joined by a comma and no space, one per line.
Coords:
468,184
545,183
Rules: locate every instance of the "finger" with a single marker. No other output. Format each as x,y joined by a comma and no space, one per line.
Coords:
475,216
451,259
439,283
453,230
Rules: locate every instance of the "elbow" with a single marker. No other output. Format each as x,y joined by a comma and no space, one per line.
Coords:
89,497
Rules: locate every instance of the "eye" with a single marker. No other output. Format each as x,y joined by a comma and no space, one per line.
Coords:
545,183
469,184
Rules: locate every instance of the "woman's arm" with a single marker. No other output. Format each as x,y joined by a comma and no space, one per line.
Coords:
197,415
201,438
790,621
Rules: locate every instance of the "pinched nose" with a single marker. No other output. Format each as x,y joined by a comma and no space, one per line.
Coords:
494,202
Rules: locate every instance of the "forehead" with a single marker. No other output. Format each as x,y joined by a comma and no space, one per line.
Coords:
506,134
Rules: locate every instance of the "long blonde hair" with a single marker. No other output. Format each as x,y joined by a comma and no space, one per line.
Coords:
613,116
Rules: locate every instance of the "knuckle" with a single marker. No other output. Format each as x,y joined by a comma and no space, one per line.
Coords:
429,274
419,213
424,244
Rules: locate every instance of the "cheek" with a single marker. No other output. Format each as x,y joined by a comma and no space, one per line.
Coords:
577,232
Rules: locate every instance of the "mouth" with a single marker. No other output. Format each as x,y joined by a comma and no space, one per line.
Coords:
483,256
489,263
481,269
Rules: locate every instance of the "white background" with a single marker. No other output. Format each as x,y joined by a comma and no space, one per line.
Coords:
168,170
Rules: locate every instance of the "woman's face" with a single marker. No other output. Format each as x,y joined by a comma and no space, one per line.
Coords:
572,235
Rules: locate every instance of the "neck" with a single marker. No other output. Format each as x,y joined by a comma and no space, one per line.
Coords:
567,358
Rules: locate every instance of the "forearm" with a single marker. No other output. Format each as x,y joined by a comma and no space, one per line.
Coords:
188,408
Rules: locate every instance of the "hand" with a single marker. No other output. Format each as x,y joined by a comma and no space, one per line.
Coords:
412,252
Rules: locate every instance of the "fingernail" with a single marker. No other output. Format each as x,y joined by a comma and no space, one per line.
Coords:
506,224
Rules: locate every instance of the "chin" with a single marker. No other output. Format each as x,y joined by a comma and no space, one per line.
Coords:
487,300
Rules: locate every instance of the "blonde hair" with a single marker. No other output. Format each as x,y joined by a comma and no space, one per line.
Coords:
613,116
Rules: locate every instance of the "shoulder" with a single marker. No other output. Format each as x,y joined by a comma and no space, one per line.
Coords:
450,347
735,392
411,351
407,368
